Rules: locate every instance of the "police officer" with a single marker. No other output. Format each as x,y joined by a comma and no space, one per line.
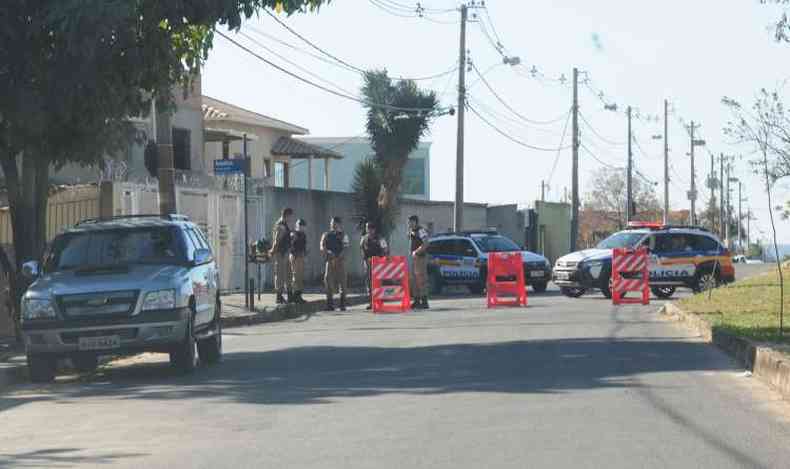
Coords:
372,245
333,245
298,253
418,247
281,244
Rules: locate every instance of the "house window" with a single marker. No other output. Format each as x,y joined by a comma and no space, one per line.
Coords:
414,177
181,149
279,174
267,167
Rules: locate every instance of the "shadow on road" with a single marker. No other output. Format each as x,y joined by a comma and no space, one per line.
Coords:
310,375
60,457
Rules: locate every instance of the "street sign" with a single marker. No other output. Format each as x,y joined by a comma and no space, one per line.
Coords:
699,143
223,167
692,195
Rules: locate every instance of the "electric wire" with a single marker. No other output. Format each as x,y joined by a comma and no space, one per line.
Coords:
321,87
510,137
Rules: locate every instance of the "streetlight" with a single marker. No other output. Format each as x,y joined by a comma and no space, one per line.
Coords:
740,185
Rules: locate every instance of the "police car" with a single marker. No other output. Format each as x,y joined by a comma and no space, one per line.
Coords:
680,256
461,259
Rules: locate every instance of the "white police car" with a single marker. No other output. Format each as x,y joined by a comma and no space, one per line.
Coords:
461,259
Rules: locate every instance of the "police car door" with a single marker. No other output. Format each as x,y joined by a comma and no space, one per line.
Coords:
675,259
468,271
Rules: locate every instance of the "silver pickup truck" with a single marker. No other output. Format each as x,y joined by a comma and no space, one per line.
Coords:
126,284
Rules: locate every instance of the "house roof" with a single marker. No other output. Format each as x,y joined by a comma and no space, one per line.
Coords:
296,149
215,110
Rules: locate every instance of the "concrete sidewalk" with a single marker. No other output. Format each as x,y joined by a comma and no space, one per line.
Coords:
13,363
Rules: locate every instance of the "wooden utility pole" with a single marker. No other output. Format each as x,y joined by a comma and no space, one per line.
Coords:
458,218
629,198
693,192
722,220
575,166
666,162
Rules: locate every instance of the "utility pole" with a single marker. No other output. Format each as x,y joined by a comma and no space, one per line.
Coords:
722,221
575,153
629,199
740,217
166,168
458,218
666,162
748,230
693,191
712,185
542,191
729,212
247,292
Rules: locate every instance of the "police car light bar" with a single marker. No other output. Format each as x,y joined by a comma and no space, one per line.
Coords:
645,224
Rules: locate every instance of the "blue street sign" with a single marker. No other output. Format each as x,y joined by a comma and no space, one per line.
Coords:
222,167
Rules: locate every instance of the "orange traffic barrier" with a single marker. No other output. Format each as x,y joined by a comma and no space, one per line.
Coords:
390,284
630,274
506,279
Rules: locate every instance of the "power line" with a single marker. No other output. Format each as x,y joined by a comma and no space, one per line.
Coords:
511,138
346,64
509,108
584,147
321,87
503,118
603,139
557,157
294,64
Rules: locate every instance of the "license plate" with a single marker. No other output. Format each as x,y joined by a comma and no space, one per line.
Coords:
537,274
100,343
563,275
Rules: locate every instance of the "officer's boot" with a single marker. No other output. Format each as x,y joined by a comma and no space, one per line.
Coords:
280,299
343,301
330,302
425,303
299,298
416,304
291,298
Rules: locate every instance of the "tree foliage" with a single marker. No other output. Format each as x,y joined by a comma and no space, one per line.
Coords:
368,178
72,73
608,196
398,116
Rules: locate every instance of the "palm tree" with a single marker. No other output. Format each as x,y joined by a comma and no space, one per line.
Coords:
368,178
398,116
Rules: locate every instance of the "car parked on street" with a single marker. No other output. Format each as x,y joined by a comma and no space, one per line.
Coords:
125,284
462,258
680,256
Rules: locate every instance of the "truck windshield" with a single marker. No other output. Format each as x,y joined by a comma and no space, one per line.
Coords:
495,244
116,248
621,240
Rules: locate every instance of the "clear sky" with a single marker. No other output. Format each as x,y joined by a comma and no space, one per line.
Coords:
636,53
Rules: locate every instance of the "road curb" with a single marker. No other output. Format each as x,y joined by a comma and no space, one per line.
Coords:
767,363
284,312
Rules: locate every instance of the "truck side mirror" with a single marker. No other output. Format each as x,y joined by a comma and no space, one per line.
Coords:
31,270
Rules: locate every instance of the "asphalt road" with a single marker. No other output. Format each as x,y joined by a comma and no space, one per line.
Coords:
562,384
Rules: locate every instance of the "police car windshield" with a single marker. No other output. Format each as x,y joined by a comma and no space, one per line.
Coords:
495,244
621,240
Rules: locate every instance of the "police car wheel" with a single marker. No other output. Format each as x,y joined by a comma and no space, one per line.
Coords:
706,281
573,292
663,292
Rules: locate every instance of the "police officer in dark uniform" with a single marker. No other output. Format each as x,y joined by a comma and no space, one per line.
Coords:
298,254
333,244
372,245
418,247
